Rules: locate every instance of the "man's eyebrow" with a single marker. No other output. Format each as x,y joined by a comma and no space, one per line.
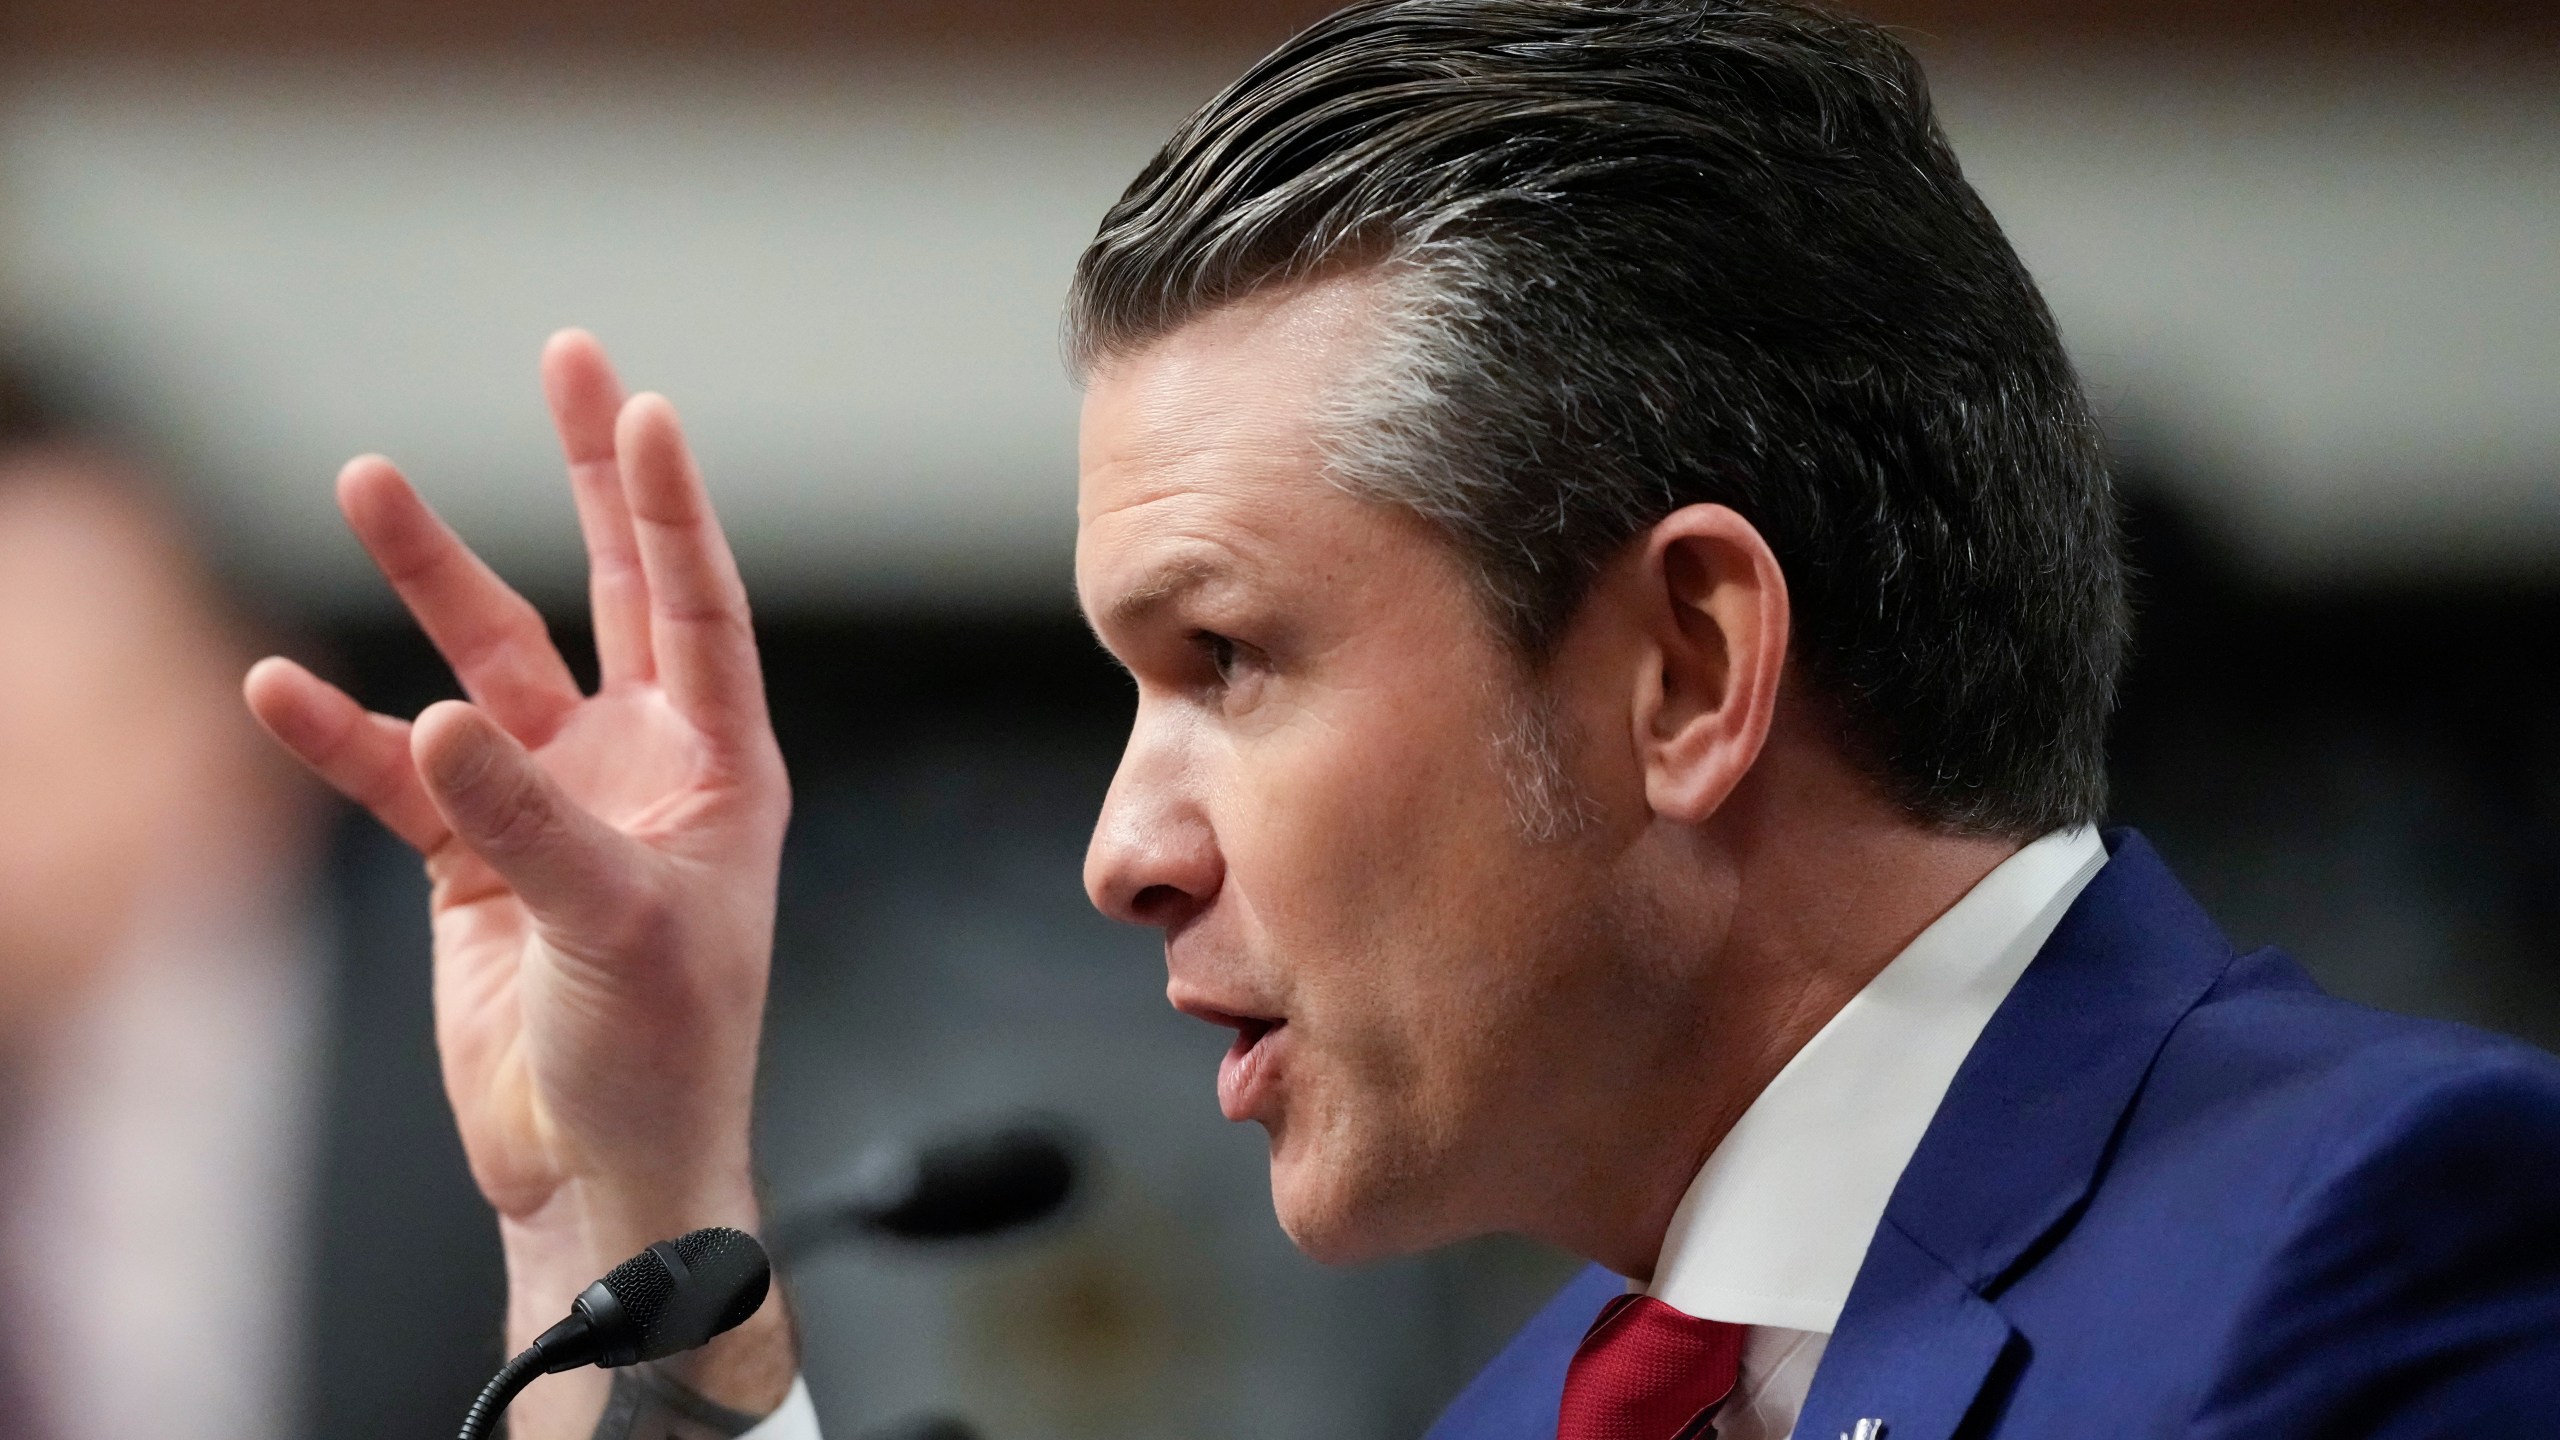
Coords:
1167,583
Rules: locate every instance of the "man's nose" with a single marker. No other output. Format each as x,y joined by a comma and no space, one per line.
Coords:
1154,856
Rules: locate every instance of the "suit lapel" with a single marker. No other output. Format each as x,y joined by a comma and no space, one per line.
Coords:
1913,1351
2014,1149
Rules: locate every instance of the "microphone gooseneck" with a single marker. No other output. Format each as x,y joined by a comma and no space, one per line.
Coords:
669,1298
499,1393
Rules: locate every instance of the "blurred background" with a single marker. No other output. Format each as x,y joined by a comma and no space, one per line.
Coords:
2308,253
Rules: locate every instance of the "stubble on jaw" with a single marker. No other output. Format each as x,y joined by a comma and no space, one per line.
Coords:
1414,1173
1531,740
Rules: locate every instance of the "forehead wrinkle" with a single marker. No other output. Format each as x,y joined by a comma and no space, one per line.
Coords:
1198,462
1179,535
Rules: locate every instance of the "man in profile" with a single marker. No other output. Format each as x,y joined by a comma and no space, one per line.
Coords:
1624,595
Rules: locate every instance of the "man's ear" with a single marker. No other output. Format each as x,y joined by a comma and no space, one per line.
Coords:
1715,604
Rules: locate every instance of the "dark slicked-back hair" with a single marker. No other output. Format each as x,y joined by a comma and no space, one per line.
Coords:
1641,254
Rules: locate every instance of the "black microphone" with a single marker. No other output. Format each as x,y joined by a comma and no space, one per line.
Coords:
957,1186
669,1298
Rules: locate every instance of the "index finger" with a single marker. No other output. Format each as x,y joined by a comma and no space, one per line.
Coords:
493,637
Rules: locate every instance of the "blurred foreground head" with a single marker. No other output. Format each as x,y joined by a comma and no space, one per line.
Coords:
1561,474
128,777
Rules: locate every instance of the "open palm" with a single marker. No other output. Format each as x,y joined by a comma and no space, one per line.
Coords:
603,865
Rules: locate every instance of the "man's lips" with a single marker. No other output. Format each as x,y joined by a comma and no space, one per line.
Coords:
1246,1076
1248,1072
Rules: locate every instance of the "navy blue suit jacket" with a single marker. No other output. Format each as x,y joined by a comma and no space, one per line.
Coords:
2179,1191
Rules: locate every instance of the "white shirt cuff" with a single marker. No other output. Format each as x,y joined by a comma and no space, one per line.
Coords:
796,1420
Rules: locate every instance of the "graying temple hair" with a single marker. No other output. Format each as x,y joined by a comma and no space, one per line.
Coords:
1639,254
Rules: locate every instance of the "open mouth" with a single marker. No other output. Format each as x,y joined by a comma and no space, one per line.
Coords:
1245,1076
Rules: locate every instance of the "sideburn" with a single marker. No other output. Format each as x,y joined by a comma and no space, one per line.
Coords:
1530,742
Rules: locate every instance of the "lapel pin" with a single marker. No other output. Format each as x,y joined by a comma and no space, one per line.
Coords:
1867,1430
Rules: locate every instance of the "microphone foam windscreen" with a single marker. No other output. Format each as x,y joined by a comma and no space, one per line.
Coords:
644,1285
718,1277
729,1263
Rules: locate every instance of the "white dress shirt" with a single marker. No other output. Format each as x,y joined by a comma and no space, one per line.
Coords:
796,1420
1772,1232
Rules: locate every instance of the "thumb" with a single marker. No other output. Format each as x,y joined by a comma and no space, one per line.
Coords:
572,870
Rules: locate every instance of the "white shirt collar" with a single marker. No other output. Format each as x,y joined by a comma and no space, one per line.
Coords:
1774,1228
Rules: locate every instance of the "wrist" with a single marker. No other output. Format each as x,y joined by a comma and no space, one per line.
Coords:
588,1226
585,1229
749,1369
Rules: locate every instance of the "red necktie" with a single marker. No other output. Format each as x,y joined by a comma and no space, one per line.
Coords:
1647,1372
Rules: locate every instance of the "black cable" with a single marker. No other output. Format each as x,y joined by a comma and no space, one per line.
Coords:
509,1382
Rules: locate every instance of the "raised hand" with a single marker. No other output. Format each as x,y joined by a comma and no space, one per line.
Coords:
603,865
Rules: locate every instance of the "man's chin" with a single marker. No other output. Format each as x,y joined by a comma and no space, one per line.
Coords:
1337,1219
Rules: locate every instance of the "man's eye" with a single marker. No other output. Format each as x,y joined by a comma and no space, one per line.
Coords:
1221,653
